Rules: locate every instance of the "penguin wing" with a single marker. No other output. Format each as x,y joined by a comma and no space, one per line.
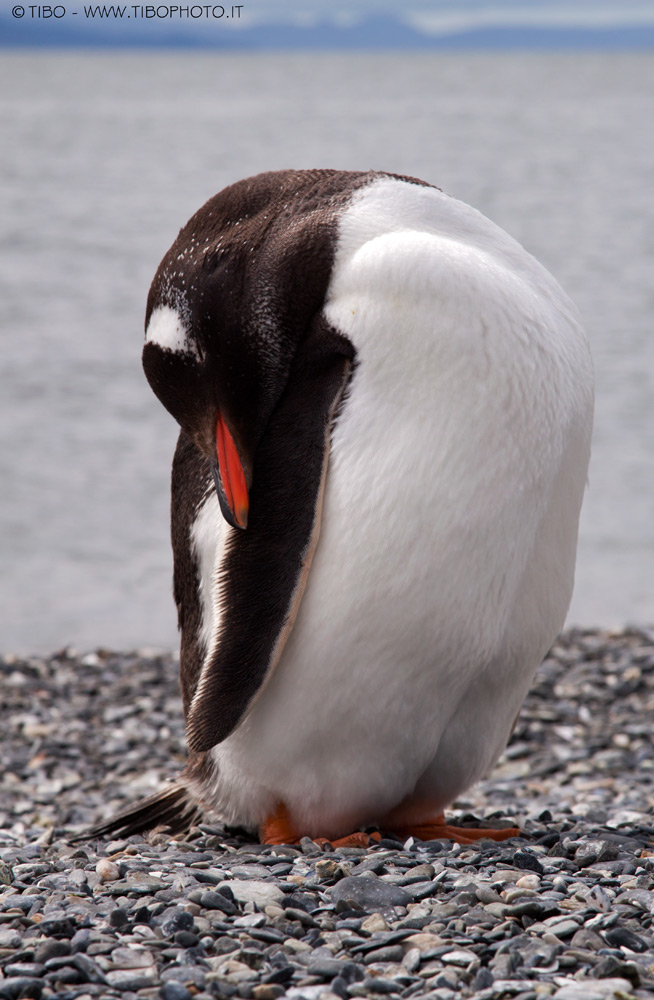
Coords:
265,567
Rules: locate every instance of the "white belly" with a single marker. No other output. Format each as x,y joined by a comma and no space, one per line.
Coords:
445,562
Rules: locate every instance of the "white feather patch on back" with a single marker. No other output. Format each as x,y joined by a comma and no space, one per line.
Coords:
167,329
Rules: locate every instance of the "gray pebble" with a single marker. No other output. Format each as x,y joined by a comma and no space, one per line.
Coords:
217,901
20,986
570,902
174,991
369,893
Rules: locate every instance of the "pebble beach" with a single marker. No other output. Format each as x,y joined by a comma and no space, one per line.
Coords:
565,911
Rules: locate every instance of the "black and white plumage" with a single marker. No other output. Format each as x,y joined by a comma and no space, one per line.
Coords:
406,397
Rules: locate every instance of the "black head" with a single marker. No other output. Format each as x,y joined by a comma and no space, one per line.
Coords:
231,301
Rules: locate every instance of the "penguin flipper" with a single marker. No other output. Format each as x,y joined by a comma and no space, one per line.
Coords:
172,809
265,566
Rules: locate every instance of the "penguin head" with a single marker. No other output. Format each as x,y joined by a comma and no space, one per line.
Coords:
203,364
231,301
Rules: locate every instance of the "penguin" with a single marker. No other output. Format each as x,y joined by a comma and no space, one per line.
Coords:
385,408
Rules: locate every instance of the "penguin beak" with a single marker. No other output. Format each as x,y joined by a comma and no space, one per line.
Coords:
229,477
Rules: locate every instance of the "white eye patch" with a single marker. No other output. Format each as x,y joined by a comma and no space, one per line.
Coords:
166,329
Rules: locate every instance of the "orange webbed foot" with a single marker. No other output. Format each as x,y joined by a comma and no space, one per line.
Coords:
278,829
358,839
438,829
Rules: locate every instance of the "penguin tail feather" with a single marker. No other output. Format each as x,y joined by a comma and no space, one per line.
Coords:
172,810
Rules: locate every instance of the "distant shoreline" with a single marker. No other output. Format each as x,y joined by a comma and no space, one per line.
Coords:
370,34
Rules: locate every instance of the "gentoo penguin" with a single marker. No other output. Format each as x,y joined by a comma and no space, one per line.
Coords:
385,406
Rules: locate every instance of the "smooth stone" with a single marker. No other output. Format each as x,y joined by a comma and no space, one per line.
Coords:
251,920
132,980
483,979
35,969
50,949
268,991
597,989
459,956
422,890
562,926
131,958
90,969
20,986
174,991
68,975
60,962
369,893
383,986
217,901
176,919
253,891
80,940
234,971
593,851
528,882
107,870
640,897
375,922
529,907
485,894
119,917
139,884
184,974
326,968
10,938
586,938
424,941
599,899
619,937
512,895
389,953
185,939
411,960
425,869
307,993
527,860
328,869
225,945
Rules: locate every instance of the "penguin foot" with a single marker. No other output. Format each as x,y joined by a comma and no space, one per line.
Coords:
277,828
438,829
358,839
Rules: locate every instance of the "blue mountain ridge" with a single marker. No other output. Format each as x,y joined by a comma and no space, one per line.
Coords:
372,33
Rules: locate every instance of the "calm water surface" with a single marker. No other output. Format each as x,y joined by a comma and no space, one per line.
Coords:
105,156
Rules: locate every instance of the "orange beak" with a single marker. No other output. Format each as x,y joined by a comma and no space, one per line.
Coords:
230,481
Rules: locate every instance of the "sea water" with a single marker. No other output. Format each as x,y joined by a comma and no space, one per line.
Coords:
104,156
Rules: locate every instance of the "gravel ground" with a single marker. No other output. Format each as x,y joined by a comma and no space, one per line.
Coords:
565,911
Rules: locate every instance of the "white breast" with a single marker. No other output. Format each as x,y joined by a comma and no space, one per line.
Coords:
445,564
